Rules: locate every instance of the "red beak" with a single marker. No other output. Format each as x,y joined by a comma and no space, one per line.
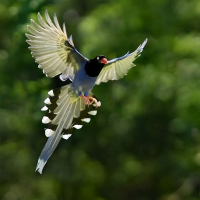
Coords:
104,61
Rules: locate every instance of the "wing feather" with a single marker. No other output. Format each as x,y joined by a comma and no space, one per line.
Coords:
57,24
52,49
118,67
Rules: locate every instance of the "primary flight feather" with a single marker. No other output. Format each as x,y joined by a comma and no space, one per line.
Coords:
71,105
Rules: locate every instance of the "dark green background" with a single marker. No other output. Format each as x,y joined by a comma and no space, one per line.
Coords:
144,144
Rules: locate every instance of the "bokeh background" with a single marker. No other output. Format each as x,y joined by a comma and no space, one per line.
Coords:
144,144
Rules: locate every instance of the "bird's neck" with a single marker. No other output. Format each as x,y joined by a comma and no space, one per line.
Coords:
93,69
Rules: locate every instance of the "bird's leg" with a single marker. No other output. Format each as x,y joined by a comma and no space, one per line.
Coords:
88,100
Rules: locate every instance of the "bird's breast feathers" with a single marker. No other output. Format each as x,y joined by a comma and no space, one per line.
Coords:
83,83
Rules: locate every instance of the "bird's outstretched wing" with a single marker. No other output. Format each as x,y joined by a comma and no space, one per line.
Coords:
52,49
118,67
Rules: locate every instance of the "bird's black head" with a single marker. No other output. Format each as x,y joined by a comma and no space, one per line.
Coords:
101,59
94,66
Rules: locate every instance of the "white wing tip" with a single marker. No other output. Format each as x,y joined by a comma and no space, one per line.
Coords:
70,40
145,42
63,78
140,48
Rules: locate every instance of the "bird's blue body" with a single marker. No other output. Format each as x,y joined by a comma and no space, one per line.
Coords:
82,83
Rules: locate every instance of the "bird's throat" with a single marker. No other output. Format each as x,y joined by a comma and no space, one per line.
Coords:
93,69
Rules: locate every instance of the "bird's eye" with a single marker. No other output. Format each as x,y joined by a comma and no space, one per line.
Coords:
98,58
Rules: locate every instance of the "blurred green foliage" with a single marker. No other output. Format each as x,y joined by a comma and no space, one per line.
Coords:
144,144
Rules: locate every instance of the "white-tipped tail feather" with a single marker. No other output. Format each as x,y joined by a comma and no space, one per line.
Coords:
47,151
51,93
49,132
44,108
78,126
67,111
93,112
87,120
45,120
66,136
47,101
63,120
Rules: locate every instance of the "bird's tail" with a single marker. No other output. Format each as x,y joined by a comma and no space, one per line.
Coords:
47,151
66,110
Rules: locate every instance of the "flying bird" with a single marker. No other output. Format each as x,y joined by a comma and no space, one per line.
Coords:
70,106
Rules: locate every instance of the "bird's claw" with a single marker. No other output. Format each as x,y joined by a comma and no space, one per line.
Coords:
89,100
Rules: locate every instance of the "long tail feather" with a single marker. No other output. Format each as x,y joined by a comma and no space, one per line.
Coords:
64,116
66,110
47,151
